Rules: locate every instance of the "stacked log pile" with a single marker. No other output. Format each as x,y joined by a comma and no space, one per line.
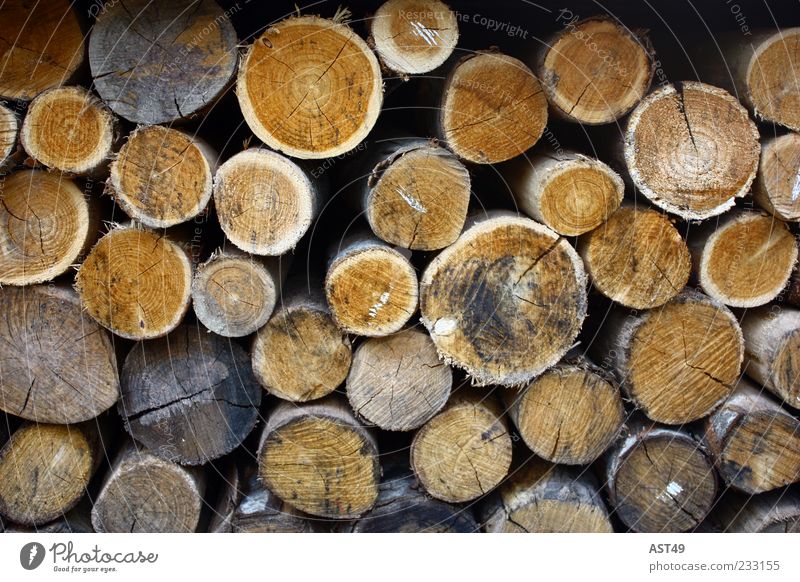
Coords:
240,291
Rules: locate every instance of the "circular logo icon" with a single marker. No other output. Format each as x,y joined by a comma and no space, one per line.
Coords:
31,555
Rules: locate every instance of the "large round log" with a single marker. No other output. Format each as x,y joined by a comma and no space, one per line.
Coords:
189,397
159,62
505,301
58,365
310,87
595,70
52,50
691,149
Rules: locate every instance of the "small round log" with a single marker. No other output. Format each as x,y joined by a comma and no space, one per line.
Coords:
70,130
777,185
162,176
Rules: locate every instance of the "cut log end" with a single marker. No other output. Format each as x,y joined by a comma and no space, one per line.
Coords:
191,63
9,128
59,365
339,473
505,301
770,78
682,158
464,451
493,108
136,283
264,201
310,87
637,258
596,71
233,295
772,350
572,194
301,354
661,481
162,176
420,199
398,383
372,290
755,443
747,260
414,36
569,415
777,186
144,493
46,224
683,359
190,397
544,498
70,130
52,50
44,471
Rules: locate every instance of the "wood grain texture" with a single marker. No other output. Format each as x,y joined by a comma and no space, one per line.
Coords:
145,493
678,362
57,365
659,479
70,130
398,382
310,87
755,443
189,397
300,354
465,450
505,301
46,225
44,470
42,46
492,108
570,414
159,62
261,511
540,497
777,185
691,149
162,176
773,512
9,131
744,259
595,70
136,282
319,459
637,258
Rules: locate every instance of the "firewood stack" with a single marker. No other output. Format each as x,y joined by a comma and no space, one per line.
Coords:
269,282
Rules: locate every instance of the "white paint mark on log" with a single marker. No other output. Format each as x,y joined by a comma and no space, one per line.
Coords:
796,187
382,300
412,202
444,326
